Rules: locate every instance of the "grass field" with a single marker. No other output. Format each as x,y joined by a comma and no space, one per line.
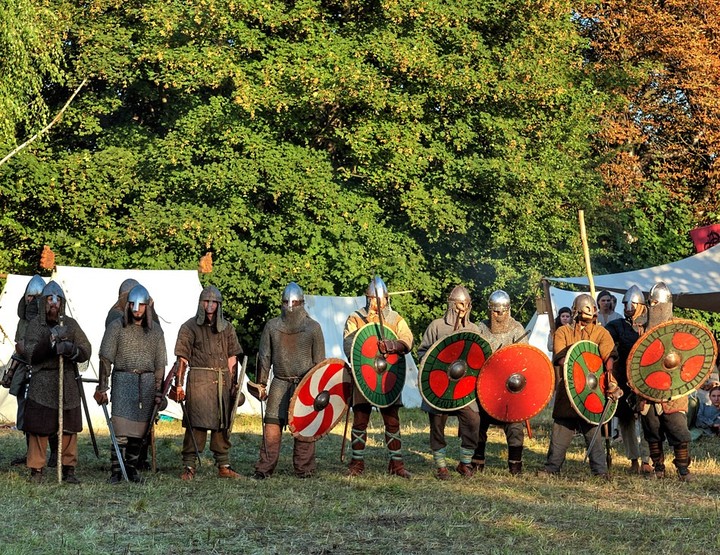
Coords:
490,513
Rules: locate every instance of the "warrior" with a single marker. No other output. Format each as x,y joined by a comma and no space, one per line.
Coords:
456,318
133,352
566,420
117,311
291,344
625,332
500,330
377,307
17,377
54,341
667,419
209,346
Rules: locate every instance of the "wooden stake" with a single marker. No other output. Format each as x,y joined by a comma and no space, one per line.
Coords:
586,252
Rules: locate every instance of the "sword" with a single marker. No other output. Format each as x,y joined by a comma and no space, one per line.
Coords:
156,409
603,417
78,381
114,440
236,402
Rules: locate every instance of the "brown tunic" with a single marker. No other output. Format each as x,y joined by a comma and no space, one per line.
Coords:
208,380
565,337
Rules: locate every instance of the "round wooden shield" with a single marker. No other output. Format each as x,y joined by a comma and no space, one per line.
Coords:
516,383
586,382
671,360
320,400
449,370
380,378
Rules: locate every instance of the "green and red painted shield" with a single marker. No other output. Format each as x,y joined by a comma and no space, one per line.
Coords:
586,382
380,378
516,383
671,360
320,400
450,368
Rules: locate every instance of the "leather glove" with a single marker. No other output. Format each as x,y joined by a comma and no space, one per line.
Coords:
59,333
177,393
160,401
614,392
390,347
101,397
65,348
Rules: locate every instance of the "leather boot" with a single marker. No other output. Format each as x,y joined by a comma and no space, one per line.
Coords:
478,464
442,473
356,467
515,467
465,470
52,459
658,459
68,475
225,471
515,459
36,475
682,461
397,468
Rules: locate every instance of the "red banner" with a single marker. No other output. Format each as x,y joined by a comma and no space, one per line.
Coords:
705,237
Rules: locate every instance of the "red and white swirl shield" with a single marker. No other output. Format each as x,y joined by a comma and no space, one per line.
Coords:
320,400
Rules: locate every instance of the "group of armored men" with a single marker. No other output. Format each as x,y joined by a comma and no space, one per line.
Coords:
51,348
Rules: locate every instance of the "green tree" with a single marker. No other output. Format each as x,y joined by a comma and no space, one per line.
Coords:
321,142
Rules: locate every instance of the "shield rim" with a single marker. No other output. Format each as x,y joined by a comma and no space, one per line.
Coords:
433,347
308,376
636,346
551,389
357,372
567,370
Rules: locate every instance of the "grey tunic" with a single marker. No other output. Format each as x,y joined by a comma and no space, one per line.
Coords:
292,344
139,358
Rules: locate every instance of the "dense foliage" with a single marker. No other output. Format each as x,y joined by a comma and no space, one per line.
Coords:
324,141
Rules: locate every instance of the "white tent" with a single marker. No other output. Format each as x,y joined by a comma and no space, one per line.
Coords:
91,292
694,281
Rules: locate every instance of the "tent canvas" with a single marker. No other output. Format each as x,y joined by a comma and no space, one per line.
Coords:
694,281
90,292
